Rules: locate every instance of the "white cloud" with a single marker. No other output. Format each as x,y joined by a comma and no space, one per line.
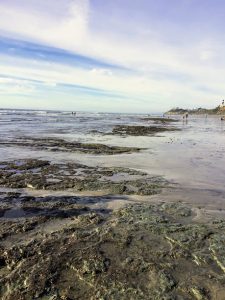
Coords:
72,31
69,27
16,88
40,25
206,55
101,71
141,88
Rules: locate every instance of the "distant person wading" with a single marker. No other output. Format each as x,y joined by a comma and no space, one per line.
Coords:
185,116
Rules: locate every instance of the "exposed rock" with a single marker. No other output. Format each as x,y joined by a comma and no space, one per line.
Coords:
140,130
37,174
141,251
53,144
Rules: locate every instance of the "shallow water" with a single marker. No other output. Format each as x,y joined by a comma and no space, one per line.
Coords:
193,158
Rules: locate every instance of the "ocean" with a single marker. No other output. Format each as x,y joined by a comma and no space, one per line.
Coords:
192,158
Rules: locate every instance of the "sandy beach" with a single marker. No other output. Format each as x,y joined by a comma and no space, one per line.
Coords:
111,206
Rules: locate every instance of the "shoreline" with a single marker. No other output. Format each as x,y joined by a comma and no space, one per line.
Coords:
89,225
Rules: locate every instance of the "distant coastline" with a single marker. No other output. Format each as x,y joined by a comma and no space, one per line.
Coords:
219,110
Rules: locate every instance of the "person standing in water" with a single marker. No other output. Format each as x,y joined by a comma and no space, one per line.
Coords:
185,116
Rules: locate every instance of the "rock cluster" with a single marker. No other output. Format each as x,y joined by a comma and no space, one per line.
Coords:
140,130
38,174
141,251
56,145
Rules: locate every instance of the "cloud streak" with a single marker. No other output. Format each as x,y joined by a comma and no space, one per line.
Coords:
147,53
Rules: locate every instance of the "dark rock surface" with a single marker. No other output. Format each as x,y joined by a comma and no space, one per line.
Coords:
140,130
54,144
140,251
38,174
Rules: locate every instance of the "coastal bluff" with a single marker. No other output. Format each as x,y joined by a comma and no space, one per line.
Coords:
219,110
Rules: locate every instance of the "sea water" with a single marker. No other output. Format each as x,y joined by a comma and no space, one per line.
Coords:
193,158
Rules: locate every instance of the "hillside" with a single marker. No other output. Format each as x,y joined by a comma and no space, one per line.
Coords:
219,110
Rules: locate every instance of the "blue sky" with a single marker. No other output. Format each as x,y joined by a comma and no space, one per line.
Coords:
114,55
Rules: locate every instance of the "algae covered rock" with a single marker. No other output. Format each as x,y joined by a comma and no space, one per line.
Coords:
43,175
139,130
140,251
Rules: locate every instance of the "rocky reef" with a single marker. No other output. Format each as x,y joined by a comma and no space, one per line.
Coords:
140,130
71,230
39,174
56,145
68,250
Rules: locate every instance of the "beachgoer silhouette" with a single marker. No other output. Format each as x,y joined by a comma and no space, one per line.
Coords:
185,117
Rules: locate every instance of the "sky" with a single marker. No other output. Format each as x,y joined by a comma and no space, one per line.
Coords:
137,56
